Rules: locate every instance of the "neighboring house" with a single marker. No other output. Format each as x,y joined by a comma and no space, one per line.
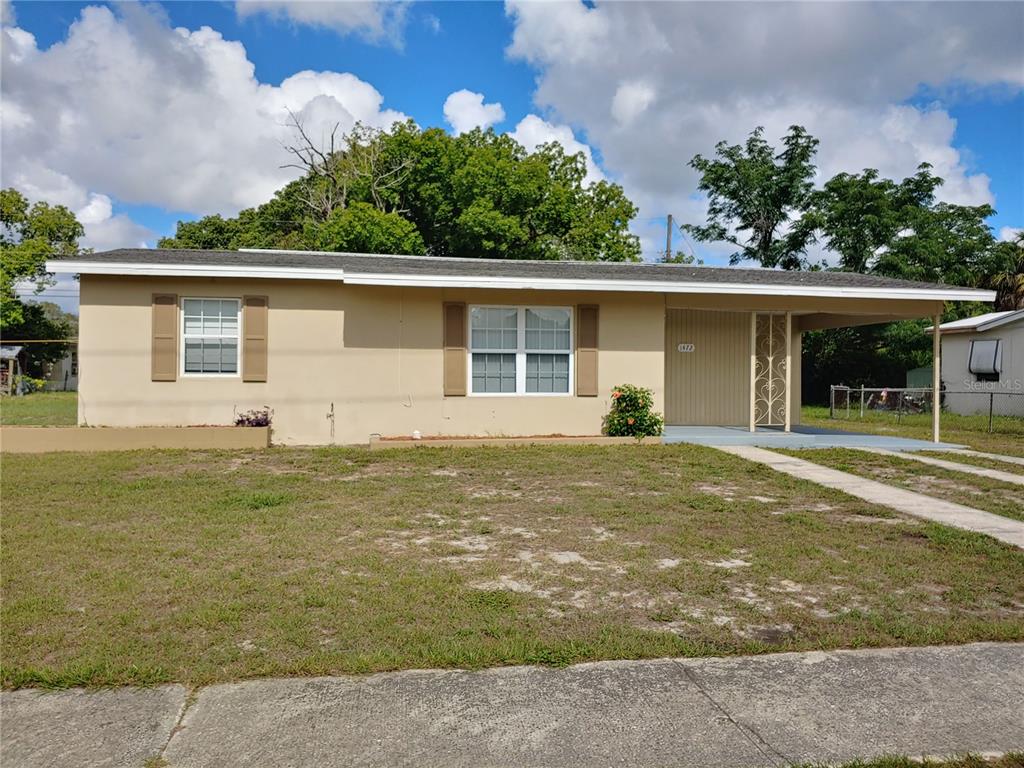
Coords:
919,378
984,354
10,370
343,346
62,375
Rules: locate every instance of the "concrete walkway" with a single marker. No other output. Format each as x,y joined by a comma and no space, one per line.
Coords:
994,456
908,502
971,469
770,710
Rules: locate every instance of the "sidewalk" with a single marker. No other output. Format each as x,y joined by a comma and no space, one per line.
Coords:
768,710
1005,529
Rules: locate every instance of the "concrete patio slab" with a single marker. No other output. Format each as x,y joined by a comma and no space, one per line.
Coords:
908,502
100,729
992,474
800,437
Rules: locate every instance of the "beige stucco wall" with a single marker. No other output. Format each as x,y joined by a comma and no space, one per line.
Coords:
372,354
956,376
346,362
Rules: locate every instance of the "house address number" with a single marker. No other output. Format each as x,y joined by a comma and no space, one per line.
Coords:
685,347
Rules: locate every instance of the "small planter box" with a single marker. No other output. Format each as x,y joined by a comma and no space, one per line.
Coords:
87,439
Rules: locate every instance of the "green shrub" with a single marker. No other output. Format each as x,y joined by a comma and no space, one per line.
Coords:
30,384
631,414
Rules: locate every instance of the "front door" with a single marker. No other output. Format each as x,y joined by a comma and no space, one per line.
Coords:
770,370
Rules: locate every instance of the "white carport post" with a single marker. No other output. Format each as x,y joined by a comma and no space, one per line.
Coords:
789,367
936,375
753,369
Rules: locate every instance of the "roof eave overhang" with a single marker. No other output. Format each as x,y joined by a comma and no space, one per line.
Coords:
508,283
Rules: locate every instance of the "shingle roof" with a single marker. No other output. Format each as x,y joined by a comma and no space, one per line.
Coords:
510,268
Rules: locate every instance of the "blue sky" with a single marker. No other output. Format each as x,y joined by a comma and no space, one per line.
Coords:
147,125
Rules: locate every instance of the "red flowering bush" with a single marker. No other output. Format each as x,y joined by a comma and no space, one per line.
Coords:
631,414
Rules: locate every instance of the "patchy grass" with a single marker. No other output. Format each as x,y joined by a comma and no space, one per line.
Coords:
1009,760
981,493
47,409
976,461
145,567
1007,436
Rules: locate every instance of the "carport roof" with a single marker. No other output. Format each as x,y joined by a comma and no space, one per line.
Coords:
429,271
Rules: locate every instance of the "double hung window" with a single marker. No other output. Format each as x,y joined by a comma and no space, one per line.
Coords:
520,350
210,333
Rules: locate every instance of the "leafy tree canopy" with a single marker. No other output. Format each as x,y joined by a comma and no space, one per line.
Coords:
754,193
408,190
29,235
763,203
1004,273
43,320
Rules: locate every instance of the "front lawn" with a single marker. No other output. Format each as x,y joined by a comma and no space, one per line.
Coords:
975,491
45,409
1007,436
197,567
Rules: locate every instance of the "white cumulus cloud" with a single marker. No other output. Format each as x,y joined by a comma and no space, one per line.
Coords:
373,21
130,109
465,110
532,131
630,101
653,84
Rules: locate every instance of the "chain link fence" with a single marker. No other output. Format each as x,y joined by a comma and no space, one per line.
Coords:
872,403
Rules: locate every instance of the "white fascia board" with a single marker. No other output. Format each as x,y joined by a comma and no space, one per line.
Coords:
65,266
656,286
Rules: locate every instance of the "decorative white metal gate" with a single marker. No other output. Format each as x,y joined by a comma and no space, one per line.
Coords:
770,371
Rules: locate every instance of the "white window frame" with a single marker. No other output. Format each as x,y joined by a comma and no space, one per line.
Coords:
181,326
521,352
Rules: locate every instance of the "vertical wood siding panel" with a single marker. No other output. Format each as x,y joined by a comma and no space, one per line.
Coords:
709,385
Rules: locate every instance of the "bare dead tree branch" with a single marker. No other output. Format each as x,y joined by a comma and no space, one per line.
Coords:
358,158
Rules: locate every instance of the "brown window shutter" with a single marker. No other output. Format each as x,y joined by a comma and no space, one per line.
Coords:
586,350
255,311
165,337
455,349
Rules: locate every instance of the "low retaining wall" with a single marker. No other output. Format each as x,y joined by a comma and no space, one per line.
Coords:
88,439
383,443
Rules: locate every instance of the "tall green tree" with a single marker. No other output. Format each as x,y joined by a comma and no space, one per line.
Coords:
361,228
479,194
1005,273
29,235
43,320
757,198
860,216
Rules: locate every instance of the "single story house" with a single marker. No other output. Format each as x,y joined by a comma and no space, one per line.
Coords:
62,375
343,346
982,355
